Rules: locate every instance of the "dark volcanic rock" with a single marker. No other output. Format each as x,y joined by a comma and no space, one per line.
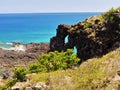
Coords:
58,42
90,37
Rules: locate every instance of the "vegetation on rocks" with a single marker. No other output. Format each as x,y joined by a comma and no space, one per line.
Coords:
110,15
94,74
19,73
54,61
96,21
93,37
48,62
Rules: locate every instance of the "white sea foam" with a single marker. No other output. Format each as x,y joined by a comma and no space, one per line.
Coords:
9,43
11,46
18,48
6,43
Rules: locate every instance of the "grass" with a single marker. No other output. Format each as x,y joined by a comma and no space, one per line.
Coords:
94,74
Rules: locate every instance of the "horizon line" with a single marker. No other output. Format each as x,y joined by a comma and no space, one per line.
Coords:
47,12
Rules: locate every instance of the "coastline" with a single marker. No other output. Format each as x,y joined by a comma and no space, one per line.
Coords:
20,54
19,46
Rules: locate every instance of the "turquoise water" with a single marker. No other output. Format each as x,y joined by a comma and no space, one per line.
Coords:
34,27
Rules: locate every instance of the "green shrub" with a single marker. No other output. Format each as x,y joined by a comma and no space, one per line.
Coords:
54,61
94,74
36,67
87,24
2,87
11,82
46,63
109,15
19,73
72,29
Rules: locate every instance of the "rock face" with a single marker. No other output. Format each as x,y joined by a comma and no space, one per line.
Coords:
58,42
92,37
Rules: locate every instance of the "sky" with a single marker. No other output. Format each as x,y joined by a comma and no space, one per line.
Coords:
42,6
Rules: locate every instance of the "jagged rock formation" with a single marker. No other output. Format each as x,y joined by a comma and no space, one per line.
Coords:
58,42
93,37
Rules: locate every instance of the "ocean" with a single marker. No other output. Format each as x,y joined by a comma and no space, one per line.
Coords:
35,27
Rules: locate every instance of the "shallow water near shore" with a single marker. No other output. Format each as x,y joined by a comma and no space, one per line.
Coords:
34,27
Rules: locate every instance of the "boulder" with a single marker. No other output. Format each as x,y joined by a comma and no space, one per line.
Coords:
19,86
41,86
28,88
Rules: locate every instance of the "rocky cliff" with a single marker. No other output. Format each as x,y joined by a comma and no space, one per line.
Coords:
93,37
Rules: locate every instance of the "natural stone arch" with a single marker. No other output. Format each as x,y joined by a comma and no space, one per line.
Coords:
58,42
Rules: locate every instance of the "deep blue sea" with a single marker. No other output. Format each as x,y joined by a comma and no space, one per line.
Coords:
35,27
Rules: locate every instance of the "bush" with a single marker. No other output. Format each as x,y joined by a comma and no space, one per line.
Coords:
54,61
19,73
2,87
109,15
11,82
36,67
46,63
86,25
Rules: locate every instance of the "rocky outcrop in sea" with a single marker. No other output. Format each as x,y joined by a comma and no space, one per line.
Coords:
93,37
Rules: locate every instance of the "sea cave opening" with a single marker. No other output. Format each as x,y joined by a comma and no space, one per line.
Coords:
75,50
66,39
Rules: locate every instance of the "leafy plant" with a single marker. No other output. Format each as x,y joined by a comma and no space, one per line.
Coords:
54,61
10,83
19,73
36,67
2,87
109,15
94,74
86,24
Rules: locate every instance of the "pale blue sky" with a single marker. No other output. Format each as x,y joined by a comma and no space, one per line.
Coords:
29,6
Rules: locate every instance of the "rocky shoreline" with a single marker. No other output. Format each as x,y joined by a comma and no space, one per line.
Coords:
21,54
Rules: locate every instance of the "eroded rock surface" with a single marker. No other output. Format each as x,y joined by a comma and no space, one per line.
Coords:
92,37
58,42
